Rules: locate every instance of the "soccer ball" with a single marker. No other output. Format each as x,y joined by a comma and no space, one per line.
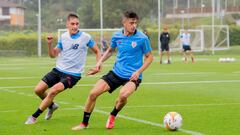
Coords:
172,121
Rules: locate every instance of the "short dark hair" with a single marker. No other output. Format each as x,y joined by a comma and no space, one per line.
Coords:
130,14
72,15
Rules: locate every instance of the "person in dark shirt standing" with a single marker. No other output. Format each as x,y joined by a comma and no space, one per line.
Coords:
164,39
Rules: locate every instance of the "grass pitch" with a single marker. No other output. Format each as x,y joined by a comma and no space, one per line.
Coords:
206,94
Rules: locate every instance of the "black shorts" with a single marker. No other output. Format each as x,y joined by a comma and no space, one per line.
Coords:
164,47
115,81
186,48
56,76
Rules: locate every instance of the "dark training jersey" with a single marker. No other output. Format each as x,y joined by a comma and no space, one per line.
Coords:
165,38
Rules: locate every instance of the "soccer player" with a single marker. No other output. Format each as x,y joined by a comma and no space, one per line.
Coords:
104,45
185,40
71,52
146,33
164,39
127,71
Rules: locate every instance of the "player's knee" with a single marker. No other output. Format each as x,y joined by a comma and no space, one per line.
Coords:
123,97
93,96
38,91
52,93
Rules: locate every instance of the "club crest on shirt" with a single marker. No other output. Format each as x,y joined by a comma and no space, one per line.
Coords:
119,42
134,44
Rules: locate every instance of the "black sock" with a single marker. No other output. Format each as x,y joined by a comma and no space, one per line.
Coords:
114,111
37,113
86,117
50,107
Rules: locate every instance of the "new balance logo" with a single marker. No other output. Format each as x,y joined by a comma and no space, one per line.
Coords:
75,46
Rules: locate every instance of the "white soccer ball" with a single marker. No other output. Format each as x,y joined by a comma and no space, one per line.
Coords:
172,121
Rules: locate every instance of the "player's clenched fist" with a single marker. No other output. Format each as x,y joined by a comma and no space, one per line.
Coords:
49,39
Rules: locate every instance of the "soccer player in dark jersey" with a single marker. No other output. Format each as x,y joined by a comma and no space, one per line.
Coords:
164,39
132,46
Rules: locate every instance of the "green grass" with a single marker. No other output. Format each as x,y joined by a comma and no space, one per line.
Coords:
206,94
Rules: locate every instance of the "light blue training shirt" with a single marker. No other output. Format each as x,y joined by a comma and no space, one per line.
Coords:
71,60
185,39
130,52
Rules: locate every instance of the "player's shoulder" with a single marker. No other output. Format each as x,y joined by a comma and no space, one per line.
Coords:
65,34
140,34
118,33
86,34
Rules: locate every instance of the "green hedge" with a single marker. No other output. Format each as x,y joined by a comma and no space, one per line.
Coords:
26,41
234,35
23,42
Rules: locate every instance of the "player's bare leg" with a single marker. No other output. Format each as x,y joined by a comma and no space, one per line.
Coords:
161,55
47,101
168,57
185,57
100,88
40,89
192,57
125,92
57,88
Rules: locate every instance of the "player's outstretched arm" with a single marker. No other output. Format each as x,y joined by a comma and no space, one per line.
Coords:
52,52
105,56
95,69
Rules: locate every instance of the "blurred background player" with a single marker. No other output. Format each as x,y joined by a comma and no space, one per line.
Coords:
132,46
146,33
185,41
71,52
104,45
164,39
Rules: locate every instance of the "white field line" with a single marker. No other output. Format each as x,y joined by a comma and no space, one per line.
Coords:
186,73
182,59
237,72
17,78
100,75
190,82
88,66
121,116
24,64
177,105
11,68
147,122
47,63
7,111
29,77
137,120
147,83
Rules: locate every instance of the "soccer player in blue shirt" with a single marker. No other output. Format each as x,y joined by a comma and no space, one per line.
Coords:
71,52
132,46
